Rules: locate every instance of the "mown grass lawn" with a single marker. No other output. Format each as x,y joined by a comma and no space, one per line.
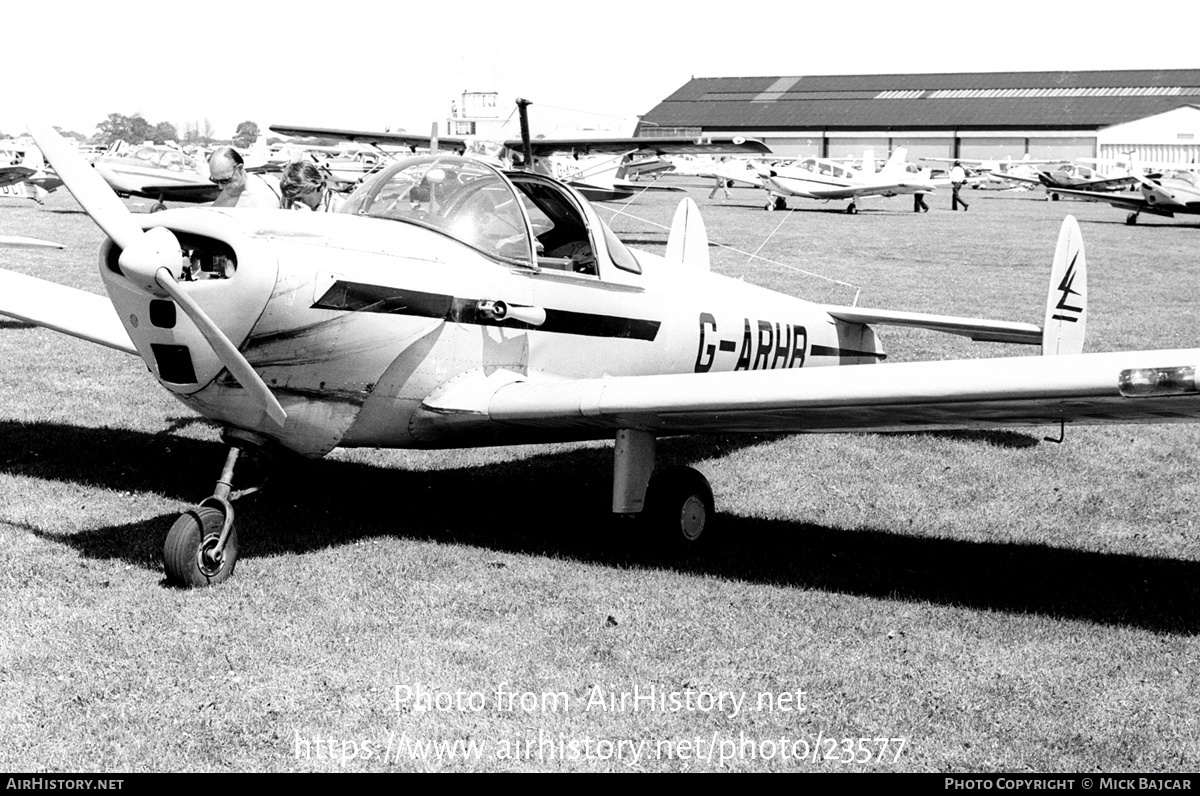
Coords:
987,601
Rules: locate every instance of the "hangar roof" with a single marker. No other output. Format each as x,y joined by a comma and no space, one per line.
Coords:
991,100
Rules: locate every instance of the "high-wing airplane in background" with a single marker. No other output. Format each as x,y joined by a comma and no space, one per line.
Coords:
158,172
1174,192
590,165
823,178
454,304
23,172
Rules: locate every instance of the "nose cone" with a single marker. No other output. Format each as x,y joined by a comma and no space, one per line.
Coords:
228,274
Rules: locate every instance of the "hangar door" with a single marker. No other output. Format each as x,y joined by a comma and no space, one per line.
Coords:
1065,148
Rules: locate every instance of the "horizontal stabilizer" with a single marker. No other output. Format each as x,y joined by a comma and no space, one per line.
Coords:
979,329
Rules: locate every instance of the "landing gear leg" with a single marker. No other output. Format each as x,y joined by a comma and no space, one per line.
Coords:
676,502
201,548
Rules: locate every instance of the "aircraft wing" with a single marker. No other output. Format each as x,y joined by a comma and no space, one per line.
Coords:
176,192
370,137
14,174
1109,184
78,313
875,189
1129,202
1156,386
675,145
1004,175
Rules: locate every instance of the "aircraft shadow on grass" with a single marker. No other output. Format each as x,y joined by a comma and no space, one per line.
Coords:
556,504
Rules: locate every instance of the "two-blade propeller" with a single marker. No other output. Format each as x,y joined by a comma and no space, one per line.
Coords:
147,257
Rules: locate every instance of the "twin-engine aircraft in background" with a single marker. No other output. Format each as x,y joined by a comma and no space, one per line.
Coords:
1175,192
455,304
823,178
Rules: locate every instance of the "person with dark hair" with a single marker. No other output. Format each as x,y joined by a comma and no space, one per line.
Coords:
304,187
239,188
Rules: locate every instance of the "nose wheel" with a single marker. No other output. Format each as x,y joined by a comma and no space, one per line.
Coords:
201,548
193,554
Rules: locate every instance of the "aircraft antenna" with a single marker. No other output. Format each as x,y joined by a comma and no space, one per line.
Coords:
526,145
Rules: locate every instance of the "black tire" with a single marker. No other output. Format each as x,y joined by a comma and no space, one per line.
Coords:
1131,219
852,209
195,531
157,207
679,502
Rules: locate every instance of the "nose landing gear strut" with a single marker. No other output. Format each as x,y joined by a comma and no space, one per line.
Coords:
201,548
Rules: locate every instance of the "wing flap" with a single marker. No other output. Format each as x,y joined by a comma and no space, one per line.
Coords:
65,309
981,393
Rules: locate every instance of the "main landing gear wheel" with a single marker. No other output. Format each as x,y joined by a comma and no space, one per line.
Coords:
852,209
157,207
776,203
190,554
1131,219
1053,197
679,502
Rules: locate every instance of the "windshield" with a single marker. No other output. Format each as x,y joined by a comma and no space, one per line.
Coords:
465,199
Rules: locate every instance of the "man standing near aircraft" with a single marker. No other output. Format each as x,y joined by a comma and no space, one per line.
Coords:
238,188
958,178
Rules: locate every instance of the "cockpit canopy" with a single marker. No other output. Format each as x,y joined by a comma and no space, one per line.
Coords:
518,218
465,199
1188,177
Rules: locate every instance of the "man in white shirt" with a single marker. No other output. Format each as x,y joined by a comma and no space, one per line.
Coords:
239,188
958,178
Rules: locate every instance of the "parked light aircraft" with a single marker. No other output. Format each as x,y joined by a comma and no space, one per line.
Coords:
1076,177
23,172
822,178
590,165
454,304
158,172
1174,192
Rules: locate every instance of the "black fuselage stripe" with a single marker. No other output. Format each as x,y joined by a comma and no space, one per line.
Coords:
827,351
360,297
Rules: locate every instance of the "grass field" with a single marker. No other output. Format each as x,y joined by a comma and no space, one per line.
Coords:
987,601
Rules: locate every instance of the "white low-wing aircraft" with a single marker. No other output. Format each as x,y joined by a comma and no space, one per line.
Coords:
822,178
454,304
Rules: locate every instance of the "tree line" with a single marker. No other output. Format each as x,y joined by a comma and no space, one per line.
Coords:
135,129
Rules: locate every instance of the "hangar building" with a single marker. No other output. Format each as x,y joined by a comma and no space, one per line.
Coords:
1154,113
